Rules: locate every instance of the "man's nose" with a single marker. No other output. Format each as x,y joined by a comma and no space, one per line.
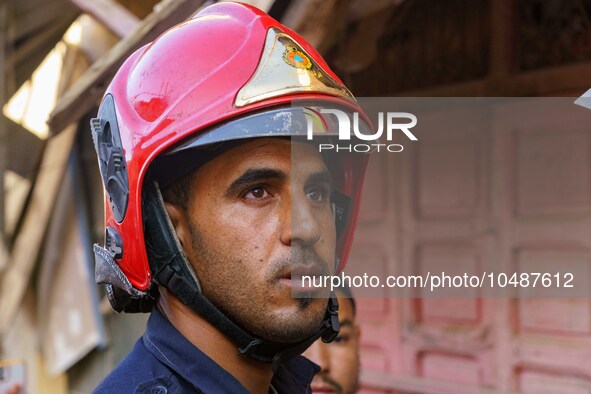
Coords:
301,223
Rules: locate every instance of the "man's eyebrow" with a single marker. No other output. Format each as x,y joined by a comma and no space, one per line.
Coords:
346,323
253,175
320,177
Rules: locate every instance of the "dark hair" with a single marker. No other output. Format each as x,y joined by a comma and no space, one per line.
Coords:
179,192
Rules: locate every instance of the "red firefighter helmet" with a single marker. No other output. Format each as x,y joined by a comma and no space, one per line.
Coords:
202,82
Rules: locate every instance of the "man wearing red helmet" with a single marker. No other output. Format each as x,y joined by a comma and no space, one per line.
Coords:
217,199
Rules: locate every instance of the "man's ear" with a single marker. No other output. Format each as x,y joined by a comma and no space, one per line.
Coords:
180,222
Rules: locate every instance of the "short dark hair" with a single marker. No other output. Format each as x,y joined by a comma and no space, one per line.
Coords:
179,192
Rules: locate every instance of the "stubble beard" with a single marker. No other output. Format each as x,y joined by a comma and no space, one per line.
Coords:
224,284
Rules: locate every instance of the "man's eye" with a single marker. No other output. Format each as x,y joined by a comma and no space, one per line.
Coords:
342,339
318,194
256,193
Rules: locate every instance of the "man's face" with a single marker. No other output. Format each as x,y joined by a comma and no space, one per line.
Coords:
338,360
254,214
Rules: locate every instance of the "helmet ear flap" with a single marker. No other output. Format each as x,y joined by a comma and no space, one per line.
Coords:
120,292
107,143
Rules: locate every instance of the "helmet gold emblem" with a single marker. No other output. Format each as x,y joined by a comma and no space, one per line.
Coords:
296,58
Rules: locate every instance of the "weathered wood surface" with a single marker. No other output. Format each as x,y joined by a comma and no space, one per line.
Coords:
35,28
3,126
111,14
28,242
89,89
19,140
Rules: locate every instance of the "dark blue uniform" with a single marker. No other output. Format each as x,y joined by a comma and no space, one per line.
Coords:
165,362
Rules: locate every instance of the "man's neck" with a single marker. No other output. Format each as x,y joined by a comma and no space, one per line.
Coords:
253,375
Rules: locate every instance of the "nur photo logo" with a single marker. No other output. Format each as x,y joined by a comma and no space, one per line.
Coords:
350,127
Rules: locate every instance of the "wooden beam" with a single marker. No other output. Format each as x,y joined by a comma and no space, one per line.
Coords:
574,78
111,14
3,256
264,5
19,140
74,64
32,17
3,125
27,244
88,90
141,9
27,57
44,41
9,38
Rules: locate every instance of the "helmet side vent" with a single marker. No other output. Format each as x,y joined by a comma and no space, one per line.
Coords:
107,143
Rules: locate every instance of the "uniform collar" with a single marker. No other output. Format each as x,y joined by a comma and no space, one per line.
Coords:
169,346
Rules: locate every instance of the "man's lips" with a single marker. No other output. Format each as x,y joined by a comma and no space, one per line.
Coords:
301,278
324,383
323,387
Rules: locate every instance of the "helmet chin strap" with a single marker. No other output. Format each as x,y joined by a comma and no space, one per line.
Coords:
172,270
